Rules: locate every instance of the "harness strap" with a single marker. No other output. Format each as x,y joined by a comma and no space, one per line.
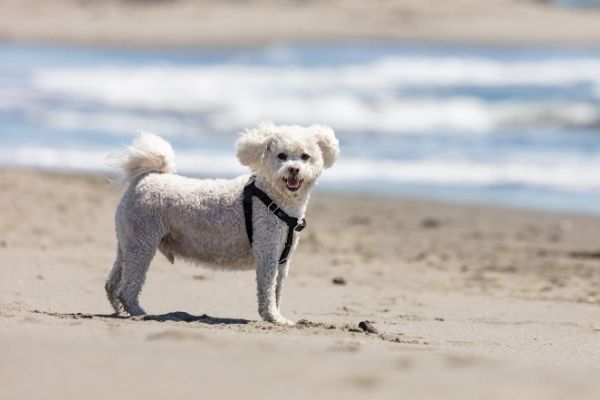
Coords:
250,190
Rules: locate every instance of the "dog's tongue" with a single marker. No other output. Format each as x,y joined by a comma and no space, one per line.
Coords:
292,182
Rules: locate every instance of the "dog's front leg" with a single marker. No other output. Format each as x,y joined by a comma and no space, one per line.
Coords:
282,273
266,280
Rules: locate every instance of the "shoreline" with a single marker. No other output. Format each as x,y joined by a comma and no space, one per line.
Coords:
237,46
390,195
240,47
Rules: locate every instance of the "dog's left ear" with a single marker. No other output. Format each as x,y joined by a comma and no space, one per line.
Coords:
328,143
253,144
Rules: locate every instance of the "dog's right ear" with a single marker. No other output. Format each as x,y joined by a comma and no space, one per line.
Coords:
253,144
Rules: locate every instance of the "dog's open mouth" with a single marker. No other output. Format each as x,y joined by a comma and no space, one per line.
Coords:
292,183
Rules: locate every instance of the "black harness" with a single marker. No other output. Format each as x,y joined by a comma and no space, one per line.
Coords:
250,190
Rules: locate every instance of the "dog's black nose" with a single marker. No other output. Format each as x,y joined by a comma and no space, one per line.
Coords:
294,170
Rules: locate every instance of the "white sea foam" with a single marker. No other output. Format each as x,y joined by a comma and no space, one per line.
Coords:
363,97
567,175
93,160
111,122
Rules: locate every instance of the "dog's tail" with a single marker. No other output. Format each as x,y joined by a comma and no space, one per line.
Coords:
147,153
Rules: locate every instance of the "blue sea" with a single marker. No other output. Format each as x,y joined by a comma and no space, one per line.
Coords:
515,126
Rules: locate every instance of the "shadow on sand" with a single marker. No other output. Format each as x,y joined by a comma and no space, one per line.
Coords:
176,316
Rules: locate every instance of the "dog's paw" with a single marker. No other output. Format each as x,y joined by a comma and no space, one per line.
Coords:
284,321
278,320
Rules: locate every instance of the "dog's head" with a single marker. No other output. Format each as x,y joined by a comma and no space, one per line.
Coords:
291,158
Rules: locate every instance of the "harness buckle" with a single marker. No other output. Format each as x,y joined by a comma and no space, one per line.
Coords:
273,210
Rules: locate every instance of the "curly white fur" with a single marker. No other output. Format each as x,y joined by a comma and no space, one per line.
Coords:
148,153
203,220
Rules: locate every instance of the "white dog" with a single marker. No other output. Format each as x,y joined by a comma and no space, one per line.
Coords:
206,220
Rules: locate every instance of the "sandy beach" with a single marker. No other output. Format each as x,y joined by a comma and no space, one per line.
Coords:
469,302
191,23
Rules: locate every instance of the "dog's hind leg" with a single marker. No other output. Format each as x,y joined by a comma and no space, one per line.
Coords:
113,281
137,256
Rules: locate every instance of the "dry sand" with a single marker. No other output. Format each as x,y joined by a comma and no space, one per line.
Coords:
250,22
470,303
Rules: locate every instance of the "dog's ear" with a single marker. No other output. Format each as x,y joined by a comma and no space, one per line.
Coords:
253,144
328,143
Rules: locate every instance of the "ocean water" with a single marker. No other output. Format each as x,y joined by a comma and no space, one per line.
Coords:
577,3
506,125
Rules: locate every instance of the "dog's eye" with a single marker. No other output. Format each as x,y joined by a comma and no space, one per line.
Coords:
282,156
305,156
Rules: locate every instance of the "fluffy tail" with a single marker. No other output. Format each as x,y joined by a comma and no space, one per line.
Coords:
147,153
